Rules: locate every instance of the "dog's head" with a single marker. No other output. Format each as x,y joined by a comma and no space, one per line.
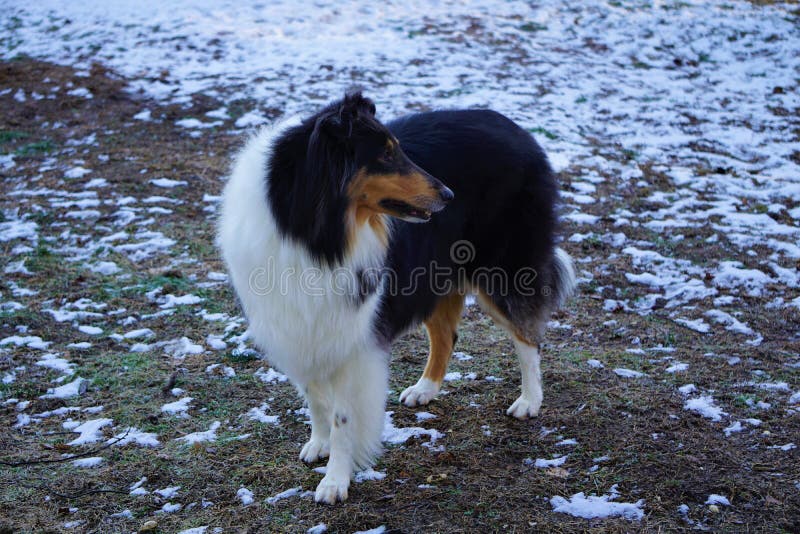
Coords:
378,177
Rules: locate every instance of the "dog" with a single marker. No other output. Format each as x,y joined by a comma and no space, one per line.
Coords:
340,233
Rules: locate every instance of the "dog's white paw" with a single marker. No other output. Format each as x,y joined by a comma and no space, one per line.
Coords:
524,408
420,393
332,489
314,450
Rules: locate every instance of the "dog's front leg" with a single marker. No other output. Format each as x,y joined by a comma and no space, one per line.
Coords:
359,399
319,403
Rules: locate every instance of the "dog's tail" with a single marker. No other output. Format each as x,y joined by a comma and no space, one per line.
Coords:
564,282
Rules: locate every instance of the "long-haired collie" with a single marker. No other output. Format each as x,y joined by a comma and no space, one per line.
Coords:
340,233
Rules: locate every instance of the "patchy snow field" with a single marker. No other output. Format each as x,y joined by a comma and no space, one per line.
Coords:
672,379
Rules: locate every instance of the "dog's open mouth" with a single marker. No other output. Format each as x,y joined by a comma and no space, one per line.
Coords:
406,211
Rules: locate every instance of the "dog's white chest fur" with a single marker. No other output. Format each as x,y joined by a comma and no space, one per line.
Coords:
301,314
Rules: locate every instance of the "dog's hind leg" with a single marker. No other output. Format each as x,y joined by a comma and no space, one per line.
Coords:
319,405
441,326
523,312
358,390
530,400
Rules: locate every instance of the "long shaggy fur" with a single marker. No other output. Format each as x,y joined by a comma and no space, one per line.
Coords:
319,231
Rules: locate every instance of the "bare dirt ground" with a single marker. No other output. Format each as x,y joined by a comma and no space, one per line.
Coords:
634,433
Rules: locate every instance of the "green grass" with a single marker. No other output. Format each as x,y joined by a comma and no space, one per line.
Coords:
11,135
37,148
532,27
547,133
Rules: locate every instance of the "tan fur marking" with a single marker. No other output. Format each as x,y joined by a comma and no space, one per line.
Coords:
367,190
441,326
489,307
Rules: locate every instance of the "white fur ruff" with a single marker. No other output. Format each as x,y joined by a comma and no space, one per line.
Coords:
303,322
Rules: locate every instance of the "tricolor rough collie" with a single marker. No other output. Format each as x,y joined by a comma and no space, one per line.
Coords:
340,233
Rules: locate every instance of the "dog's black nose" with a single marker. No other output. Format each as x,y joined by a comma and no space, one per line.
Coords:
446,194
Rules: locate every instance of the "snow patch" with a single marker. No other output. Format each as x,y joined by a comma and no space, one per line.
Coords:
705,406
598,507
201,437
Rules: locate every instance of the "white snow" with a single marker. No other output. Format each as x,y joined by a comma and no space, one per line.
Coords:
249,119
92,461
218,368
168,492
368,474
191,122
220,113
143,115
90,330
628,373
22,420
170,508
167,183
81,92
137,489
676,367
732,274
135,436
16,229
76,172
769,386
179,407
718,499
260,414
705,406
731,323
170,301
139,333
200,437
593,507
106,268
543,463
567,442
292,492
396,436
271,375
215,342
125,514
72,389
179,348
245,495
90,431
34,342
736,426
52,361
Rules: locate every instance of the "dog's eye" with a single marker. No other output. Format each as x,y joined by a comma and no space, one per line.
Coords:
388,153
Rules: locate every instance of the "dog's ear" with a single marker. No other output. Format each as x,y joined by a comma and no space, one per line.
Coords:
340,121
331,124
359,104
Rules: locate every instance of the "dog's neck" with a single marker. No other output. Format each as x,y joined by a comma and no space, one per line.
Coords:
367,240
